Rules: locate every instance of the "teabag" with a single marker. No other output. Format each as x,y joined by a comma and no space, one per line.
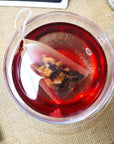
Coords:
44,67
55,73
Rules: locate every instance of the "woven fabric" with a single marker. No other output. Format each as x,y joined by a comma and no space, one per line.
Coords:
16,127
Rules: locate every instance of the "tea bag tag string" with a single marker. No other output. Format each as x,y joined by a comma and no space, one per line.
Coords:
25,21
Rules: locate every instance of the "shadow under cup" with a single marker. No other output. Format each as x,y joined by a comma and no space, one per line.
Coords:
79,42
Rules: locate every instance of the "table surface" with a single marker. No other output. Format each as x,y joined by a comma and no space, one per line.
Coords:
16,127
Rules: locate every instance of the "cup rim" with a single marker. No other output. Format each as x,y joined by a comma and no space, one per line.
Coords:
33,113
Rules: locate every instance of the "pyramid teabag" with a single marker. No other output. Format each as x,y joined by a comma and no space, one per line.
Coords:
44,67
60,75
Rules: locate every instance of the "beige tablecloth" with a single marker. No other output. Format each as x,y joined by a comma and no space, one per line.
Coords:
16,127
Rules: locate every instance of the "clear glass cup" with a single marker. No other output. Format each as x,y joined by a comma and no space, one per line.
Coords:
106,96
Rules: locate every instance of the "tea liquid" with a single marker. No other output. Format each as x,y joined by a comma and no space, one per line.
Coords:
75,91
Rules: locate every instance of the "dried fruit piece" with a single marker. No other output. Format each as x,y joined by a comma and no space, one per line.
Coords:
62,75
48,82
49,73
45,71
67,69
57,80
58,63
41,68
48,60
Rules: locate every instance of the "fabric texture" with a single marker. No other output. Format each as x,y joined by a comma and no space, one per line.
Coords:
16,127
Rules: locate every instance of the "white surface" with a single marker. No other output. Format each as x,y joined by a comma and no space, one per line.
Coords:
63,4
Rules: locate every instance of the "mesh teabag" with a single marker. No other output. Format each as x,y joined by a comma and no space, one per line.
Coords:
46,68
55,73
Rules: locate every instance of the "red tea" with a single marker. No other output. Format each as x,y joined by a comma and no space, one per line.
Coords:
65,80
